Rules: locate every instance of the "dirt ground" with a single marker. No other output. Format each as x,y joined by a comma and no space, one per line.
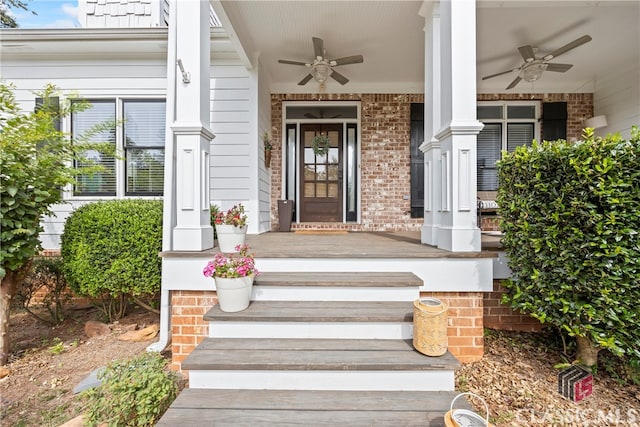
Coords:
48,362
516,377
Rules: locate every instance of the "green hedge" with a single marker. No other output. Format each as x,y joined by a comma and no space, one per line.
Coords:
112,247
571,218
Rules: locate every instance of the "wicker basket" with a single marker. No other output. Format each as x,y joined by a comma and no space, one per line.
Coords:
430,326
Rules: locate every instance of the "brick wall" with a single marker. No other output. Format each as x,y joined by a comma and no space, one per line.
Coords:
188,327
499,316
385,150
385,158
465,331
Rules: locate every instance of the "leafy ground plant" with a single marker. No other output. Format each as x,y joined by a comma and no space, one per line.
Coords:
133,392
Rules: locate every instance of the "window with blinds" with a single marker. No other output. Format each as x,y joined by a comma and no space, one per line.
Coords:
102,183
144,128
139,171
506,126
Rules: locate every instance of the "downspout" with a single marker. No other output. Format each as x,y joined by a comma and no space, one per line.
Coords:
168,214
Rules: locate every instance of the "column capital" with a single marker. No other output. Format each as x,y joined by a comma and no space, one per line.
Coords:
471,127
192,128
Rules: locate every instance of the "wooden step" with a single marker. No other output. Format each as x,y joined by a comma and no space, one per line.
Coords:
315,319
332,286
249,408
317,364
344,279
318,311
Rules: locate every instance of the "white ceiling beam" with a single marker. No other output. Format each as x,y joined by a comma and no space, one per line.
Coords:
237,34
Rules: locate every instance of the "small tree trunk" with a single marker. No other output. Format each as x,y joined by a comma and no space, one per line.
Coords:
587,351
7,290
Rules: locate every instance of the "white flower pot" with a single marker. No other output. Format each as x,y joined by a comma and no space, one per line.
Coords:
230,236
234,293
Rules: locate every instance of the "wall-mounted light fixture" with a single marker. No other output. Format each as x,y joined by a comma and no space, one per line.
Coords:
596,122
186,77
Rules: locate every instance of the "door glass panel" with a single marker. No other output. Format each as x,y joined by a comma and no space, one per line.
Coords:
351,171
321,189
333,189
333,172
309,156
309,189
309,172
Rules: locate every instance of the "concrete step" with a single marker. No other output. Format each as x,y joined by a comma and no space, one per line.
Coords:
333,286
250,408
317,364
315,319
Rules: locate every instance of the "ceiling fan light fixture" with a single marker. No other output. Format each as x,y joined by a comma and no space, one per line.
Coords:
321,72
533,72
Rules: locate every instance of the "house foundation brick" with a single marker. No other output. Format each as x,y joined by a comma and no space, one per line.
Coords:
500,316
465,332
188,328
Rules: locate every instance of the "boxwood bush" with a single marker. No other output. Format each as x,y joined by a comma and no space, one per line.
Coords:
111,249
571,218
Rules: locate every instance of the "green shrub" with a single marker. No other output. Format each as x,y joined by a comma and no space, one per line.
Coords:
46,276
571,218
111,249
133,392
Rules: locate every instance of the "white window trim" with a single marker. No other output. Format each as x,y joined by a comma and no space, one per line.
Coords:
504,120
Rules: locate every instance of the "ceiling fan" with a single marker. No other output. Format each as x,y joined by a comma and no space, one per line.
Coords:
321,67
533,67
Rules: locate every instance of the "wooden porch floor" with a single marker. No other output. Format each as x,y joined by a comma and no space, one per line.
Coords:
404,245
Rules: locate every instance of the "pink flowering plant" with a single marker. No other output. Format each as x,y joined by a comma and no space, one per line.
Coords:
234,216
230,266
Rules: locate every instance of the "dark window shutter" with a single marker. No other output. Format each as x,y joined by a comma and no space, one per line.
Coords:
554,120
52,104
417,161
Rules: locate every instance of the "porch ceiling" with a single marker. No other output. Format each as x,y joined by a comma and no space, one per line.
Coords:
389,34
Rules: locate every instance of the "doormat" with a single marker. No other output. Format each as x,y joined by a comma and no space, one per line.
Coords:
321,232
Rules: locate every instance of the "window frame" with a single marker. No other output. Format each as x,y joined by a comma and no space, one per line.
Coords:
504,121
126,150
120,161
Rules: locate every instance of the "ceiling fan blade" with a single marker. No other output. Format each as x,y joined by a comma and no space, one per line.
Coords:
354,59
514,83
559,68
339,77
285,61
567,47
527,53
500,73
305,80
318,47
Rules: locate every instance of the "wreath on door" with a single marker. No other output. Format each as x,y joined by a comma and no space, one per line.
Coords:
320,144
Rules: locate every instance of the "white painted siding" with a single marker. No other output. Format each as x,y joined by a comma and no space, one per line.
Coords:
264,174
231,116
88,79
618,97
231,122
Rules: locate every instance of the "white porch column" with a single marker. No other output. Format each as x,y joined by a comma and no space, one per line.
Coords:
192,231
431,146
458,231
